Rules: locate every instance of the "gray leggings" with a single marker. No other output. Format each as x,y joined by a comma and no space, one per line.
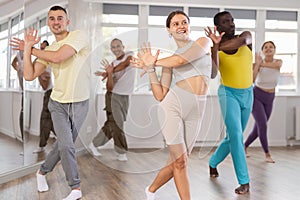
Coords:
67,119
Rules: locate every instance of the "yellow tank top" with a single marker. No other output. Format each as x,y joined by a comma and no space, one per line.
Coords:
236,69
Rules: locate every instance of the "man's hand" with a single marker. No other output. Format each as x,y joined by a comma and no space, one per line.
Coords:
17,44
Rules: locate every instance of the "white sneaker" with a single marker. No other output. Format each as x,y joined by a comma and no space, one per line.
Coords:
39,150
149,195
74,195
41,182
122,157
52,135
94,150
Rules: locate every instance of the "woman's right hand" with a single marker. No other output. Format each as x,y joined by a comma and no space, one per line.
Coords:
145,59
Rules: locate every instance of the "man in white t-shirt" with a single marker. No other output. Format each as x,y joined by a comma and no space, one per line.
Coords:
120,84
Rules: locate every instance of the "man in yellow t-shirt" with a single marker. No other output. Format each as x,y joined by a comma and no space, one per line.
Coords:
69,99
235,96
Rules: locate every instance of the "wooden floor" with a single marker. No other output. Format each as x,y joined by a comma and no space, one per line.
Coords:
279,181
15,154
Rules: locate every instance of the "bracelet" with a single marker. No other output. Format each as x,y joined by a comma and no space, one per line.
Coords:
151,70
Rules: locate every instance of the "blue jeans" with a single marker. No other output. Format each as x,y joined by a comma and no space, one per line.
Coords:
236,106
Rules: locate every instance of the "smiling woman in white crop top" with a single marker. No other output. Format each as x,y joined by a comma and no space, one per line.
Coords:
181,107
266,73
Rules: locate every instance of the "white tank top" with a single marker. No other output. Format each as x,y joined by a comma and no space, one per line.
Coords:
267,78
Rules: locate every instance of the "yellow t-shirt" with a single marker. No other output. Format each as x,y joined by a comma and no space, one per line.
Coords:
236,69
72,76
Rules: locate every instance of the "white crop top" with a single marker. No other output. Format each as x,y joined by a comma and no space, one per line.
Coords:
199,67
267,78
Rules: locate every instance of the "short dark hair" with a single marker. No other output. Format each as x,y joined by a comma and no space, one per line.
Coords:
218,15
117,39
47,43
55,8
172,14
271,42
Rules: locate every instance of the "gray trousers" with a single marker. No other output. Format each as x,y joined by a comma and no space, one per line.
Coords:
116,107
67,119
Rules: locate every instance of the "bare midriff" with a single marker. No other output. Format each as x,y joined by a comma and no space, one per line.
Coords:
272,90
196,85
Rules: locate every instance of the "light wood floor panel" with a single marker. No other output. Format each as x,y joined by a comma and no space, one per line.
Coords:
279,181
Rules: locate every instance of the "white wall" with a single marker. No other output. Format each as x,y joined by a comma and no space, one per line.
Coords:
142,128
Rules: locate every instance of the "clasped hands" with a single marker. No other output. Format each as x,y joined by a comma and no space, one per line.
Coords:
145,61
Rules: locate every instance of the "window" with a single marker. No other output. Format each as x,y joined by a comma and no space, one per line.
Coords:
3,62
158,14
120,14
281,28
243,18
202,17
288,54
281,20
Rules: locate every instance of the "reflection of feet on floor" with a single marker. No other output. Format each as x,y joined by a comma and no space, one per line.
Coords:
39,150
122,157
94,150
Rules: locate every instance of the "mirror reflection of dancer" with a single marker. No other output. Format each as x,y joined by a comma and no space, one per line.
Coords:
266,74
182,106
235,97
69,100
18,65
46,124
